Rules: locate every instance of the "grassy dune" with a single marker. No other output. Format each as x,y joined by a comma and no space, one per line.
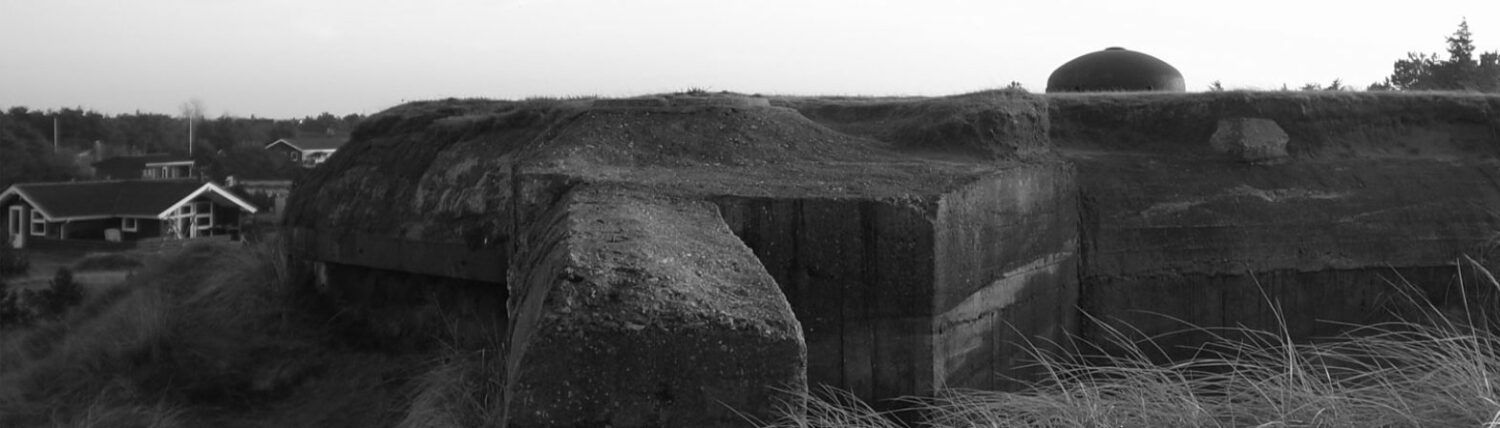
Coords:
217,335
220,336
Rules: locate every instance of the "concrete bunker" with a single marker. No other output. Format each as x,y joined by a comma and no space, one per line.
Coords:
1115,69
913,254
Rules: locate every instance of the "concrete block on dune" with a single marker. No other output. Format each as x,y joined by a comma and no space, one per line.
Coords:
1250,139
637,310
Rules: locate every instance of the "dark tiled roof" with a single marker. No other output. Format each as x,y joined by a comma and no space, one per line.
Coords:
315,143
108,198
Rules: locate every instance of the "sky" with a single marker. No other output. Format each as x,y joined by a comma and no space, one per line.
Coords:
295,58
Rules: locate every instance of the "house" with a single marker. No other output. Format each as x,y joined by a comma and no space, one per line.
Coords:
156,166
308,151
268,194
126,211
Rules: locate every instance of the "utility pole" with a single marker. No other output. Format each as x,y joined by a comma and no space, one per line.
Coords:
191,117
55,132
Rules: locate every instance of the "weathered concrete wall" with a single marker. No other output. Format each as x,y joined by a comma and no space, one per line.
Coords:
636,310
920,243
1321,125
899,297
451,189
1373,188
1006,255
858,274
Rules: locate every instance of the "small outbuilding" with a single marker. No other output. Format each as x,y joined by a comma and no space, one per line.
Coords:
1116,69
308,151
153,166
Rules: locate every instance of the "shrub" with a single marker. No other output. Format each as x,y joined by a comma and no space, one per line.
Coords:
64,291
108,261
24,306
13,313
13,262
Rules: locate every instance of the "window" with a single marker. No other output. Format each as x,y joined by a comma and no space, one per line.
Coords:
38,224
129,224
205,215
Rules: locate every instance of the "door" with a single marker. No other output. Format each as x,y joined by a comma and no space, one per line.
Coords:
15,226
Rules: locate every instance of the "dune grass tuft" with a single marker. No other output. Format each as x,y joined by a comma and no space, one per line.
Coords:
190,329
462,386
1441,369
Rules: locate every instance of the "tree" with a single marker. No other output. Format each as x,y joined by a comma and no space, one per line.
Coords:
1459,72
1335,86
26,155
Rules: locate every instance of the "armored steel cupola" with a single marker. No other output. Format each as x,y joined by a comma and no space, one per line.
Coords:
1115,69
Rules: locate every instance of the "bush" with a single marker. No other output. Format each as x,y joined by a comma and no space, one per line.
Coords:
13,262
12,311
64,292
19,308
24,306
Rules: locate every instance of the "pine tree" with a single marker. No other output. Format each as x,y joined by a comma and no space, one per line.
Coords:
1460,71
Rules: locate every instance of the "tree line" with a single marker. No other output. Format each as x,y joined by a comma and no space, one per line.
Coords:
1460,70
43,145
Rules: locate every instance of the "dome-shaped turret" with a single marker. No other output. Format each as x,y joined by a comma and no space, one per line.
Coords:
1115,69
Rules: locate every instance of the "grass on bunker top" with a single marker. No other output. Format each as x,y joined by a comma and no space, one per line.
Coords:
218,335
1440,369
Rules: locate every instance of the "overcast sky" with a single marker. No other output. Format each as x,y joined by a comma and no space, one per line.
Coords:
292,58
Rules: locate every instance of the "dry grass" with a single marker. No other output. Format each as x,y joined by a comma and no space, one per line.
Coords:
828,407
222,334
212,334
1441,369
189,331
462,386
460,389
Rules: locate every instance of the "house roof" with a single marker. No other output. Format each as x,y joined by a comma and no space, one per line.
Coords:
140,161
126,198
312,143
